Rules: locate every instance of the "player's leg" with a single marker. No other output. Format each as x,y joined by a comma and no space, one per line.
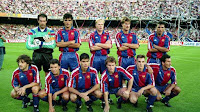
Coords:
73,61
102,63
35,90
133,98
1,58
63,59
43,95
122,97
76,99
45,62
65,100
95,62
37,60
15,95
151,98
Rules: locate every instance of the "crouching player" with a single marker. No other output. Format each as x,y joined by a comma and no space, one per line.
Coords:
143,81
56,83
111,82
84,83
26,80
163,74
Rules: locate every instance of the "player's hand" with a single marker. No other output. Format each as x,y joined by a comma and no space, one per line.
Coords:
54,96
167,92
84,96
97,44
72,42
140,92
106,108
46,38
125,44
126,93
37,42
51,109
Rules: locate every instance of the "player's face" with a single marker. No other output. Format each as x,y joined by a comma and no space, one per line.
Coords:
42,22
167,63
68,23
111,67
126,26
85,63
55,68
100,25
23,65
140,63
160,29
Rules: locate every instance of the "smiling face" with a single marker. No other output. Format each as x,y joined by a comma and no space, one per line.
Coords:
55,69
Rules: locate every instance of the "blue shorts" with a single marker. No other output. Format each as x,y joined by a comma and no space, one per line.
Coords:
54,90
153,60
161,89
114,91
126,61
98,62
69,60
136,89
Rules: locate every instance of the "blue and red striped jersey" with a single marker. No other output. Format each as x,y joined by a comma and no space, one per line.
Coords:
141,78
22,78
161,76
80,81
56,82
68,35
163,41
129,38
109,81
96,38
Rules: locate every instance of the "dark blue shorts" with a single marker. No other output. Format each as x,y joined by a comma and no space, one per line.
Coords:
161,89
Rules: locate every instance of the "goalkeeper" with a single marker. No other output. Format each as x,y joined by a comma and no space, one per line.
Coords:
42,40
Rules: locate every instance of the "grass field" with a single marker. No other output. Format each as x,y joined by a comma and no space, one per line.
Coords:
184,59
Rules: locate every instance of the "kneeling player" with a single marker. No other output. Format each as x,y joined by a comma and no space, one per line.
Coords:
163,74
84,83
111,82
26,80
143,81
56,85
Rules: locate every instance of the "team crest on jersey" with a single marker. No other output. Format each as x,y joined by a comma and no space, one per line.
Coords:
49,33
116,76
168,74
143,76
62,79
88,76
163,40
131,37
72,33
30,74
104,37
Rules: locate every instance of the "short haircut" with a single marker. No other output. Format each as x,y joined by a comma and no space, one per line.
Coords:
99,20
164,57
42,15
84,56
140,56
161,23
26,59
54,61
124,19
110,59
67,15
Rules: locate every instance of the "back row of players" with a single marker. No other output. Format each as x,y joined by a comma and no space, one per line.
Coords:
83,81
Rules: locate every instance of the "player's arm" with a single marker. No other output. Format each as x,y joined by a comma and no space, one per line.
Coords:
151,47
3,38
50,100
75,45
162,49
29,42
65,89
106,45
77,39
64,44
92,45
93,89
107,106
132,46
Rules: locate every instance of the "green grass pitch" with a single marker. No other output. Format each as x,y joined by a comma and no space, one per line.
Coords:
184,59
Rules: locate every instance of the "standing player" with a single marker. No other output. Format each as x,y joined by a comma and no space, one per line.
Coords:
99,45
143,81
84,83
56,83
126,43
111,82
68,40
158,44
2,49
41,39
163,74
26,80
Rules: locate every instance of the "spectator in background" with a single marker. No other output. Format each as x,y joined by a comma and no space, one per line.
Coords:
2,49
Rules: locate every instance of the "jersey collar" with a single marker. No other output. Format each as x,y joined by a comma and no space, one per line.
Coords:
88,69
39,30
157,35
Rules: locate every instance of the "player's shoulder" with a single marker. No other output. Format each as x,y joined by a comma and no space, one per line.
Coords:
50,30
118,35
106,33
48,76
154,65
151,35
92,34
104,76
75,71
93,70
16,71
65,71
133,34
130,67
34,30
119,68
60,30
173,69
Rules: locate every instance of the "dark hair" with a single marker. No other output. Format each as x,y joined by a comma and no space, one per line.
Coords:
24,57
124,19
42,15
164,57
110,59
54,61
67,15
140,56
161,23
84,56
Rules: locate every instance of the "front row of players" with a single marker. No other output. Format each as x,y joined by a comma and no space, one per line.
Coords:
84,83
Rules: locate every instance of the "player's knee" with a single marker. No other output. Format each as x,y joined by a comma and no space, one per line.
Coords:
35,89
159,97
73,98
65,96
133,99
13,94
178,89
153,91
42,94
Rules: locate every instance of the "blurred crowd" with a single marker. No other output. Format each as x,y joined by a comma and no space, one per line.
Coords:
13,31
105,8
